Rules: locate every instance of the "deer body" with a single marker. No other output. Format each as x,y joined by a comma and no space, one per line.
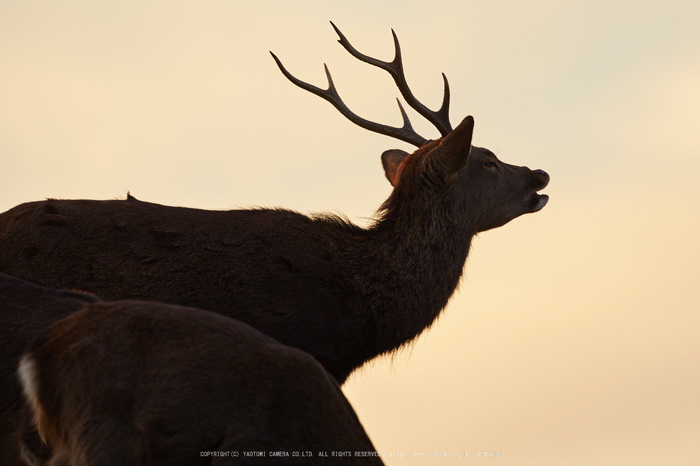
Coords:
320,289
342,293
145,383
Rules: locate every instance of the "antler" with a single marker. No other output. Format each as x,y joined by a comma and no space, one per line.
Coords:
405,133
440,118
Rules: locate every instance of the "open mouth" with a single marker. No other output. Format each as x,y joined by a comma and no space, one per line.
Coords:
537,202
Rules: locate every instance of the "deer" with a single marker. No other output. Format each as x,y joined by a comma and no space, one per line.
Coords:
341,292
146,383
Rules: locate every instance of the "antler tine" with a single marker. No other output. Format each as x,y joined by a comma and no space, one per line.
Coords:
405,133
440,119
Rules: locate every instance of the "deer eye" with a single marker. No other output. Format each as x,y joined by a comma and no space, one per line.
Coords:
490,164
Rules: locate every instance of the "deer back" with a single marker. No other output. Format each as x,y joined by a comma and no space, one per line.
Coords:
147,383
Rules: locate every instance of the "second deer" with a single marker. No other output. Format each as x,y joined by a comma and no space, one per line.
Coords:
144,383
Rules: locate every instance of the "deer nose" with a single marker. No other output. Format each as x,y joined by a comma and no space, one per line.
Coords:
544,175
544,178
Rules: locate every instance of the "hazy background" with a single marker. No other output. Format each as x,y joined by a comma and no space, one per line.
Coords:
574,337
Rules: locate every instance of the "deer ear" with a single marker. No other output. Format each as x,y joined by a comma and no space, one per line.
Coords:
392,161
451,155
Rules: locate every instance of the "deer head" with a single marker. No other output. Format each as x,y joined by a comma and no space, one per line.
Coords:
448,164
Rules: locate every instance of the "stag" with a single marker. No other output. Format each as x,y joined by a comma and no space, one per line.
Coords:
343,293
145,383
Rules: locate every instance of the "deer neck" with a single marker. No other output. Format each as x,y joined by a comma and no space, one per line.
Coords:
414,261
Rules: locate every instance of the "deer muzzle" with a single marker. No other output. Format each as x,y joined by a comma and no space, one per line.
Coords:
538,201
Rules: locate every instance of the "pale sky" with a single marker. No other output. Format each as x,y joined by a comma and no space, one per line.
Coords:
574,337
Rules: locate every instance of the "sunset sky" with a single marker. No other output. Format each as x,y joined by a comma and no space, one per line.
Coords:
574,337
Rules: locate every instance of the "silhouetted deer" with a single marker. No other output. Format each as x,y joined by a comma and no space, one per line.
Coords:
144,383
343,293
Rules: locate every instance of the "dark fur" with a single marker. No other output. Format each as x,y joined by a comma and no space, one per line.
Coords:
143,383
340,292
25,309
